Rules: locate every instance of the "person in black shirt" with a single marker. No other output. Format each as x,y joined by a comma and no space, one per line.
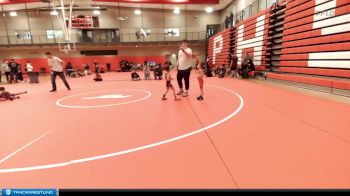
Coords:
231,19
160,72
14,71
19,72
108,66
69,68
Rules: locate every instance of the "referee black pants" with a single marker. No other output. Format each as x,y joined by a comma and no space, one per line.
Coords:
184,74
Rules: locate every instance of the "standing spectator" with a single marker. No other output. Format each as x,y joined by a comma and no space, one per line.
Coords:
108,64
87,69
227,22
97,67
1,72
56,65
2,69
147,71
7,70
14,71
19,72
29,69
231,19
233,64
184,67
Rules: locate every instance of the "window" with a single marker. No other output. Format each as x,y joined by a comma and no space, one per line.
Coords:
144,32
175,32
23,35
51,34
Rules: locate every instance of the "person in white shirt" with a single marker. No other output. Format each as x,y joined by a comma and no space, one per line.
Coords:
184,68
29,67
7,70
56,66
2,70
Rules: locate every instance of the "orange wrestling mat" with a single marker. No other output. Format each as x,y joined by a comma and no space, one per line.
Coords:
119,134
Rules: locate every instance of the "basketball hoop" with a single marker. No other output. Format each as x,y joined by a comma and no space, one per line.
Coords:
67,47
65,20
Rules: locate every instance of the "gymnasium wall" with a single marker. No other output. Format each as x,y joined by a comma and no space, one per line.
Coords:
131,53
79,62
316,37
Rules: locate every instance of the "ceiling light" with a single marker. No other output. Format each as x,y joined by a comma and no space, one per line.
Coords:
138,12
13,13
209,9
96,12
54,13
177,11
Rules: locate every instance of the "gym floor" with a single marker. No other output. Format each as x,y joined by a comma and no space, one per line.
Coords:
120,134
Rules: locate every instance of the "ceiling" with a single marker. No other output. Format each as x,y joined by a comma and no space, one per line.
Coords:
16,1
198,5
165,1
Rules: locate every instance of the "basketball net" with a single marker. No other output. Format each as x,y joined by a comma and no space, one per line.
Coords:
62,17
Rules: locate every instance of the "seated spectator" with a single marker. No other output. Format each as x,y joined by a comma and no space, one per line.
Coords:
216,70
250,68
244,66
158,72
69,68
98,77
135,76
222,71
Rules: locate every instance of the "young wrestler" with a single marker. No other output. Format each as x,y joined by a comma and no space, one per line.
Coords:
200,75
135,76
4,95
168,80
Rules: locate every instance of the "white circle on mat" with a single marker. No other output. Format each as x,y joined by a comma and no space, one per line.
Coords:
140,148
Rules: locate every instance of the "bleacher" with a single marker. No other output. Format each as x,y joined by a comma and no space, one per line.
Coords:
300,42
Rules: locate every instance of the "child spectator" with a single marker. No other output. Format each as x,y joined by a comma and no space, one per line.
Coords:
147,71
98,77
135,76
